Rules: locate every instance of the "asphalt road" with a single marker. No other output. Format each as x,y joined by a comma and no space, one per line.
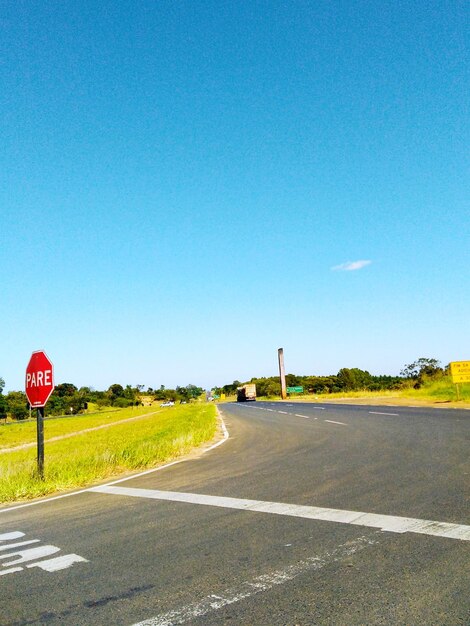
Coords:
306,514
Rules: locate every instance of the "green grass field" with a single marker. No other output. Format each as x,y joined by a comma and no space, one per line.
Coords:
441,390
93,456
17,433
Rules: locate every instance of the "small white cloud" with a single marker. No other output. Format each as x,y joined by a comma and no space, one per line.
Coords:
350,266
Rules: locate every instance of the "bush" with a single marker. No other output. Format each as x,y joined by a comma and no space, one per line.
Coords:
19,411
122,403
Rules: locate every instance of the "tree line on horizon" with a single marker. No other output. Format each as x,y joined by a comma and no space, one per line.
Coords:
67,399
347,379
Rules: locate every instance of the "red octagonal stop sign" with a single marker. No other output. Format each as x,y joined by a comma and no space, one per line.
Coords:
39,383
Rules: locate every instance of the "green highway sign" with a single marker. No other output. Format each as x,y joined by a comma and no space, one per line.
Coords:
295,389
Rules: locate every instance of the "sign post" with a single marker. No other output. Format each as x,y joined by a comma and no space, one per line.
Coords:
39,384
282,373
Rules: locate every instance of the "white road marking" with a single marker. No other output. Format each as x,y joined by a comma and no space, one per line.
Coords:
215,445
283,412
30,554
380,413
249,588
319,408
59,563
333,422
12,570
9,536
306,416
272,410
388,523
9,546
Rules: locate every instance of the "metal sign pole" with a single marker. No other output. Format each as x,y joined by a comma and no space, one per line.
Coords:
40,433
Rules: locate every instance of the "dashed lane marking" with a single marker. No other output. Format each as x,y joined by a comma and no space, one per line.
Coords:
306,416
333,422
389,523
382,413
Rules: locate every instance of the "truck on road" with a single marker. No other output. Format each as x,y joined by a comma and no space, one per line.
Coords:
246,392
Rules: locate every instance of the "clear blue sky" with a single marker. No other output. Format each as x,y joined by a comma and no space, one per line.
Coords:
183,185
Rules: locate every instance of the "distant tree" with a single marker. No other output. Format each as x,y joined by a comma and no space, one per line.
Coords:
3,403
353,379
65,389
292,380
160,394
122,402
17,405
114,392
193,391
267,386
3,408
172,394
320,384
56,405
345,379
272,388
190,392
231,389
422,367
129,393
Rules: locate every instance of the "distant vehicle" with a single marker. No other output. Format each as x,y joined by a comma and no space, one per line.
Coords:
246,393
169,403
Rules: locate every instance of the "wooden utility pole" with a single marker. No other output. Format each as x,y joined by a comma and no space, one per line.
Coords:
282,373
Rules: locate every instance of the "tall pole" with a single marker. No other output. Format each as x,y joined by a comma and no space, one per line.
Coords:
40,432
282,373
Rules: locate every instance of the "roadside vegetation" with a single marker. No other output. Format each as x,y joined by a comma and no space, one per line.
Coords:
87,458
422,380
438,389
67,399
